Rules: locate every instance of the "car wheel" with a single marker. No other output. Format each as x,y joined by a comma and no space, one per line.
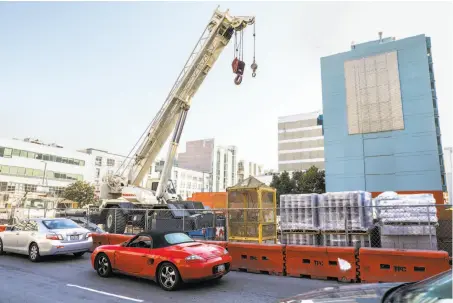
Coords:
168,277
1,247
103,265
115,221
79,254
33,253
218,278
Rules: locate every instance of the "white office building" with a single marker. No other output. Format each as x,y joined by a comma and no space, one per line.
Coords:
27,164
300,142
220,162
248,169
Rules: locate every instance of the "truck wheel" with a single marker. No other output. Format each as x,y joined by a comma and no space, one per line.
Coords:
115,221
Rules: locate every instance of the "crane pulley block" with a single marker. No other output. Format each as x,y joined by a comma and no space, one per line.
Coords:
238,66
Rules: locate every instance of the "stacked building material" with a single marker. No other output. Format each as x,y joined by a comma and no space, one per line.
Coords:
340,211
299,212
299,219
407,221
345,219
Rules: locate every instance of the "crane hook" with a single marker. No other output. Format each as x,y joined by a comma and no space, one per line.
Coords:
238,79
254,67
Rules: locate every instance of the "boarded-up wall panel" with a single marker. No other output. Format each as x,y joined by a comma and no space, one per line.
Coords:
373,95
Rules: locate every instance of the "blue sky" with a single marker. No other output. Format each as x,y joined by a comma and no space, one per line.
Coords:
95,74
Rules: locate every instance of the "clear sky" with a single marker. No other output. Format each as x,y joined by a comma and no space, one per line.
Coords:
95,74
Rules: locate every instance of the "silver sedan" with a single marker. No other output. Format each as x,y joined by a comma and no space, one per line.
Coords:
46,237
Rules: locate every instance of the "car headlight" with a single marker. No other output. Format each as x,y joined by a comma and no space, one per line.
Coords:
195,258
225,252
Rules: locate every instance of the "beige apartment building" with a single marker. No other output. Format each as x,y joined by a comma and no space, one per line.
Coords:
300,142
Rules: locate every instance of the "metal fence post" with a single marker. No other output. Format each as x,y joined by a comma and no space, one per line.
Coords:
114,222
346,225
429,228
146,220
183,221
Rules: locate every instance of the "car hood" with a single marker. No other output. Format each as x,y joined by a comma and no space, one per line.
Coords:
206,251
357,293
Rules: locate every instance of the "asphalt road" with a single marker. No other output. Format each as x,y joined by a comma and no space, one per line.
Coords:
66,279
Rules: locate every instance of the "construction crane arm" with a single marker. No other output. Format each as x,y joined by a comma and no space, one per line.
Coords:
172,115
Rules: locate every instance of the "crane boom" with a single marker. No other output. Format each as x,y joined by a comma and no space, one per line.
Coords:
172,114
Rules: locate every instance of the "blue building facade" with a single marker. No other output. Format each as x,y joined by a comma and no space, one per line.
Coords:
374,145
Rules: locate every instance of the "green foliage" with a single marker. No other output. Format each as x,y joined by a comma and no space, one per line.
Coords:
80,191
310,181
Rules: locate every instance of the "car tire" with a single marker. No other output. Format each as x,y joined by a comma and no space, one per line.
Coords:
218,278
115,221
2,252
103,266
79,254
168,277
33,253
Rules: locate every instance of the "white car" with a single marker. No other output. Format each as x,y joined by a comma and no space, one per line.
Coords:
46,237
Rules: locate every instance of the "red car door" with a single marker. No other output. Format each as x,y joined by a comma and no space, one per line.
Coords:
133,258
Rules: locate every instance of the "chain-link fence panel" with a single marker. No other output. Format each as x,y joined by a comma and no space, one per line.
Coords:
379,225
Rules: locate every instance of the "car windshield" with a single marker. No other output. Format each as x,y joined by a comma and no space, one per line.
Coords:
435,288
60,224
177,238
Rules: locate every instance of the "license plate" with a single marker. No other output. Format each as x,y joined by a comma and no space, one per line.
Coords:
73,238
221,268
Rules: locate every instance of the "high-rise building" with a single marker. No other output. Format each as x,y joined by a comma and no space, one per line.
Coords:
220,162
300,142
247,169
381,120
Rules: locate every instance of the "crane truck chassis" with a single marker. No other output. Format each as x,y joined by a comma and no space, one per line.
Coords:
124,202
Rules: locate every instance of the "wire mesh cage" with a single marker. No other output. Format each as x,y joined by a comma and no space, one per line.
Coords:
252,212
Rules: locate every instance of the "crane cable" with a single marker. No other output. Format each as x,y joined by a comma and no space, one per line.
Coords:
254,66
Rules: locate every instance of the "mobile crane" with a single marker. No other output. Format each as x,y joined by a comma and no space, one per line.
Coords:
121,195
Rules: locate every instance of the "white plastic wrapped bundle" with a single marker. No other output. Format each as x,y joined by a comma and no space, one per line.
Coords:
418,208
299,211
284,212
408,230
341,210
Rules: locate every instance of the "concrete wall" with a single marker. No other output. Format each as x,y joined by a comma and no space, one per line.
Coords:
401,160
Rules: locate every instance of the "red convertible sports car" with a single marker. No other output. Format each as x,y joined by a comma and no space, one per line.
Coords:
169,258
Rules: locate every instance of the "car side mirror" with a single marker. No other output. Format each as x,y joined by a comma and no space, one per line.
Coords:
124,244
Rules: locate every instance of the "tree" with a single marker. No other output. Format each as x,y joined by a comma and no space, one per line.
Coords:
309,181
283,184
80,191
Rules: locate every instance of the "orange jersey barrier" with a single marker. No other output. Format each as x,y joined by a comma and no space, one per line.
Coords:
219,243
3,227
394,265
257,258
320,262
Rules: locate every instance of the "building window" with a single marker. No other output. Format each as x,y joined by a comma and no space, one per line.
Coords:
98,161
37,173
5,152
98,172
110,162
